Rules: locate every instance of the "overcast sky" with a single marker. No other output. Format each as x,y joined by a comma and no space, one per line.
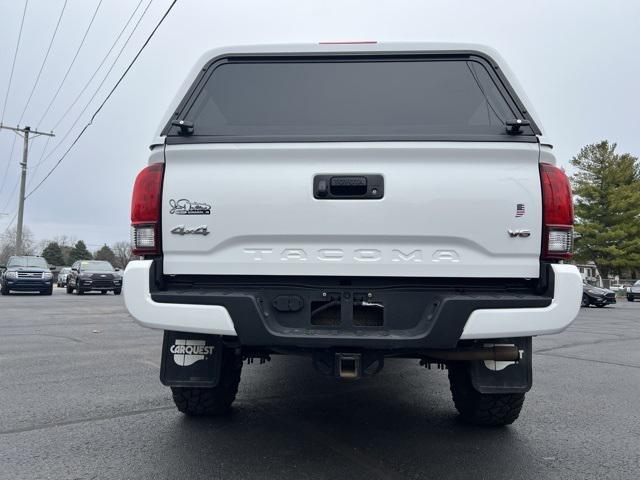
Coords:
578,61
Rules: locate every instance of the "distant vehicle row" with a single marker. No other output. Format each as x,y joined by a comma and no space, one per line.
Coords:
32,274
601,297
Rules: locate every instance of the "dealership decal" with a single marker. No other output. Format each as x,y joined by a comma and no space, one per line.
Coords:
187,207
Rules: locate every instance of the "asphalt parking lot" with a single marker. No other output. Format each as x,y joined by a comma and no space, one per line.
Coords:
81,398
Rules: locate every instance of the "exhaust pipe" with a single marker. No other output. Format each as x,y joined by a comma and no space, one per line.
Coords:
498,353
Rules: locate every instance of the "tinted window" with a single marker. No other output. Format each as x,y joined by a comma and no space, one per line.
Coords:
98,266
27,262
350,98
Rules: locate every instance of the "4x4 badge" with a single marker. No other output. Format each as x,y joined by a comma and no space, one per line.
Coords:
186,207
182,230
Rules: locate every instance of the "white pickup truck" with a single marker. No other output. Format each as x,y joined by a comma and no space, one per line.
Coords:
352,202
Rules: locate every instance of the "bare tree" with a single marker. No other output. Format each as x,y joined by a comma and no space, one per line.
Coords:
8,243
65,240
66,243
122,251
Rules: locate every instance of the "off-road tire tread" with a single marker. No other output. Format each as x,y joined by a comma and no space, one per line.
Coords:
205,402
491,410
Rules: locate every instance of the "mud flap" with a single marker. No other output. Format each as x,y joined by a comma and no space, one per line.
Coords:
504,377
190,359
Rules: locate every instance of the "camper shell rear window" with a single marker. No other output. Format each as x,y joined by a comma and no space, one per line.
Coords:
350,97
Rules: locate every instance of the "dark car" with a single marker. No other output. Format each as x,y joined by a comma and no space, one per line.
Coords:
599,297
26,274
633,291
93,275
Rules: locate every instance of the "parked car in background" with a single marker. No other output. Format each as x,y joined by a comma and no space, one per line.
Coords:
599,297
618,288
634,291
93,275
26,274
62,276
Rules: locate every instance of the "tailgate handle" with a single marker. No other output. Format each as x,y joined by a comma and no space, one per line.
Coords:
348,187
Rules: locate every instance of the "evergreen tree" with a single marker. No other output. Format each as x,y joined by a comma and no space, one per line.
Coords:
105,253
52,253
79,252
607,207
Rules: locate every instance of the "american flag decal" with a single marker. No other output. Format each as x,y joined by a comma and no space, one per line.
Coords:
520,210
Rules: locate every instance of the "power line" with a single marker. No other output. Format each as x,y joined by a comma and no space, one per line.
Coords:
13,64
25,133
37,166
44,61
15,185
11,194
73,61
4,106
97,90
106,98
13,219
6,170
104,59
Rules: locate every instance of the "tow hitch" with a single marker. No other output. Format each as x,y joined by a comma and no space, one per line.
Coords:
348,365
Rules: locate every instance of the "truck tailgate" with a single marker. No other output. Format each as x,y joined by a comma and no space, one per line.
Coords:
448,210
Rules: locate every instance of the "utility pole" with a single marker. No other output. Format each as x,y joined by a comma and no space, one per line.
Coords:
25,133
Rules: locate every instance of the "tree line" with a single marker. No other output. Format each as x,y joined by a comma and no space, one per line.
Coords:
606,187
63,250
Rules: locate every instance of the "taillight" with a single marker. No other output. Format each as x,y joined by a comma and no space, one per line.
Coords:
146,211
557,213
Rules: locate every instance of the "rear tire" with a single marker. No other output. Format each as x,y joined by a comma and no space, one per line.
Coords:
204,402
489,410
